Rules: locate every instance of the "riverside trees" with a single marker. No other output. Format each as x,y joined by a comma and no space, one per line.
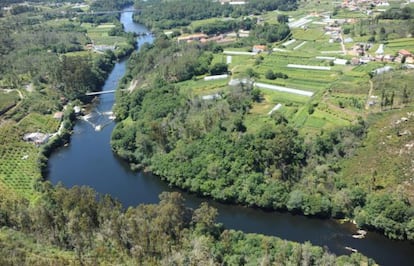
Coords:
172,14
208,147
78,226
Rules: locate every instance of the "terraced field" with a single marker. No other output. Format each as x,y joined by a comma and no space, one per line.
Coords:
397,44
7,99
340,93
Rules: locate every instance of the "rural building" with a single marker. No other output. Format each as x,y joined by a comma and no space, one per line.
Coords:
404,53
355,61
409,60
193,37
36,138
388,58
259,48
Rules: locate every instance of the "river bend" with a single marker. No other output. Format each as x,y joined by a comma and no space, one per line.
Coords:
89,160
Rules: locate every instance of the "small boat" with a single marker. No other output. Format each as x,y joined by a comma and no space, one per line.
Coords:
351,249
360,234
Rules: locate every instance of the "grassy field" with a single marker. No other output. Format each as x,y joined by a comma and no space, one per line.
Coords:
341,93
38,122
313,33
198,23
386,156
395,82
338,107
201,87
99,34
395,30
392,46
7,99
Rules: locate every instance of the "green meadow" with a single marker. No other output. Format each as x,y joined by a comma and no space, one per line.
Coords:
100,34
7,99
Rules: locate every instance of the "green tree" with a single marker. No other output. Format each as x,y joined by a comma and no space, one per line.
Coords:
205,218
270,74
282,19
218,68
296,201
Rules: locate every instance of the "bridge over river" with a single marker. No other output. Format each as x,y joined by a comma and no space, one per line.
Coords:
101,92
108,12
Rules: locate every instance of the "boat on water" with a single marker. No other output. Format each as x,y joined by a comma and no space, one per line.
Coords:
360,234
351,249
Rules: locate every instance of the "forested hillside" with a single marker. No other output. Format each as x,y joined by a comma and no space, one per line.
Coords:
46,51
325,154
212,148
77,226
162,14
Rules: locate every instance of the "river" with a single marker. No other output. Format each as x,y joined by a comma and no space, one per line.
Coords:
89,160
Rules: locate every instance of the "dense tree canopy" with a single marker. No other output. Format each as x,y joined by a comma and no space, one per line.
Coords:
396,13
205,146
78,226
169,14
271,33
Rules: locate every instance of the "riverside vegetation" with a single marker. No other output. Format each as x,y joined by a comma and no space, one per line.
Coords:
44,65
301,159
77,226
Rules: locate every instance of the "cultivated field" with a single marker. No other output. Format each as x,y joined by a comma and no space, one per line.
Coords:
19,168
8,99
100,34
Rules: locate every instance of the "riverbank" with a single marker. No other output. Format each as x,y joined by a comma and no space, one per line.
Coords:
232,150
99,168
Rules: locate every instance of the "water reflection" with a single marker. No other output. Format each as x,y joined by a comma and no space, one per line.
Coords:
89,160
